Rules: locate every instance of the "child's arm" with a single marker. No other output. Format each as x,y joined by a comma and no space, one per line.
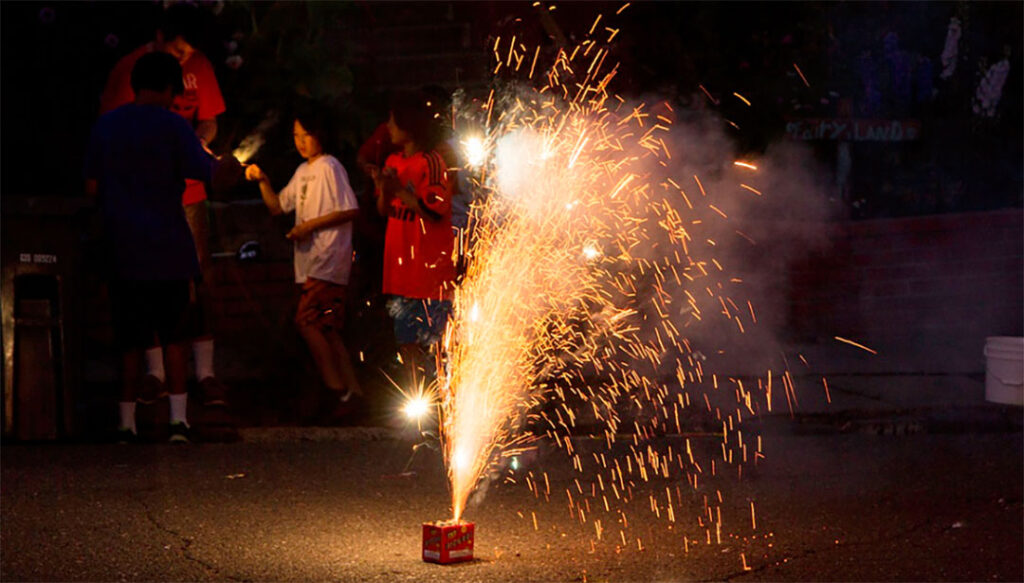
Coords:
413,202
432,196
331,219
270,198
389,187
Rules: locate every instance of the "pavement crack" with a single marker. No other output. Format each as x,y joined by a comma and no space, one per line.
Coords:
185,542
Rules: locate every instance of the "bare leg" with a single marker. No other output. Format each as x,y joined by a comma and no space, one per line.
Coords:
175,367
324,356
344,362
131,375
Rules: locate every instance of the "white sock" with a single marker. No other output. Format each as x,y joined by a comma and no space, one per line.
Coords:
179,406
128,415
202,351
155,363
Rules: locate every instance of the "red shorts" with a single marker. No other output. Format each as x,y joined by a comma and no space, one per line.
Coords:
321,304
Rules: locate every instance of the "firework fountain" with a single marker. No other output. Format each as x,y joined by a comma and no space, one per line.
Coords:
590,263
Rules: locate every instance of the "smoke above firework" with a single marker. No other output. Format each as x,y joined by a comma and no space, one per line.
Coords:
597,265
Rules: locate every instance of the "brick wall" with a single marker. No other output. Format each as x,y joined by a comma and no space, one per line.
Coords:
924,291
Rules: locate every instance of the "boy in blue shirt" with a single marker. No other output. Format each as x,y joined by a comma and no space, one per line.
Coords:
138,158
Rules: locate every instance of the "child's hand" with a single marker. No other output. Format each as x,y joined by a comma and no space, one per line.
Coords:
300,231
254,173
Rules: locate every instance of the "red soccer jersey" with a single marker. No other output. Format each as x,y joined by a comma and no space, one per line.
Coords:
418,251
201,100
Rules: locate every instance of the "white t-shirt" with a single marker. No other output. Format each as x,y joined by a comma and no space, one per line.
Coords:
316,189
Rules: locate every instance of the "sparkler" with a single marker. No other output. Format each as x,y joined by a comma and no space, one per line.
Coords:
254,141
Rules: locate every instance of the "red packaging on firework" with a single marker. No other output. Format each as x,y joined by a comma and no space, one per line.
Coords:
447,541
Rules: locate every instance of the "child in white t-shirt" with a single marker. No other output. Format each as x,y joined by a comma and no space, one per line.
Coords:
324,206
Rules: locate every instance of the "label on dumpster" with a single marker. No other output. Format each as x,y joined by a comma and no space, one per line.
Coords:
37,258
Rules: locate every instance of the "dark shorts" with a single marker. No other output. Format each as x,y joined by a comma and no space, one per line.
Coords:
145,313
321,304
419,321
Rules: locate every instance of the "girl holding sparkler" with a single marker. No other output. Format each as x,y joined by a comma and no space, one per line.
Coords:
412,190
325,207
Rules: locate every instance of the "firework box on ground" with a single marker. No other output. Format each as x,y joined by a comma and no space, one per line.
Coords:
448,541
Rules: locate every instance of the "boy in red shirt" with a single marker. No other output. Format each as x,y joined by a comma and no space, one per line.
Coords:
412,191
200,103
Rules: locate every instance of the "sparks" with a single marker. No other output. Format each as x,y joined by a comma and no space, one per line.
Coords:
852,343
586,280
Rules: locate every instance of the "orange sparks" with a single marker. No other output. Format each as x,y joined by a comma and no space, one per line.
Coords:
578,206
852,343
712,99
801,73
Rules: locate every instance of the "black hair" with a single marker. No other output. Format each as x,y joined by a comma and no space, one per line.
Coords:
157,71
181,19
315,119
413,116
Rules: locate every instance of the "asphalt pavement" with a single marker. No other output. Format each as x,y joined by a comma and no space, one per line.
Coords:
895,479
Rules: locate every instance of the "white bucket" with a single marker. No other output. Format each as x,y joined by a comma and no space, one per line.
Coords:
1004,370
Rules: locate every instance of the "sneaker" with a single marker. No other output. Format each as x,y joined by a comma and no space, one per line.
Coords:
215,393
126,436
179,433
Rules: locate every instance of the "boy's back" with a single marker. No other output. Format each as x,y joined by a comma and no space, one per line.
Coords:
140,155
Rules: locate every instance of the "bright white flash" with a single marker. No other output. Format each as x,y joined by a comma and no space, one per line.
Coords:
476,152
416,407
460,459
591,252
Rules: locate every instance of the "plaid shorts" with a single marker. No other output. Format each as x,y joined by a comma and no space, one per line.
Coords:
322,304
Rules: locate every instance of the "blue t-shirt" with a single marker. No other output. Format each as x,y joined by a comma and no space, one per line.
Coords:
140,155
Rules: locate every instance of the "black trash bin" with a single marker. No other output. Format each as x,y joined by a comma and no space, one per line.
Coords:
41,366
